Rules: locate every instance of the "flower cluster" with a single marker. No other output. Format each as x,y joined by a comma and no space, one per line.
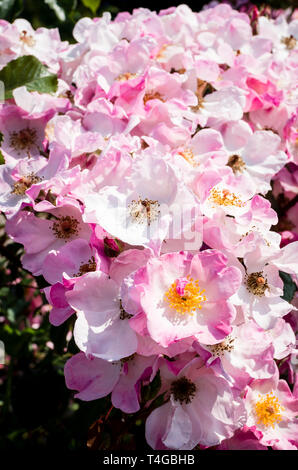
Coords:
141,191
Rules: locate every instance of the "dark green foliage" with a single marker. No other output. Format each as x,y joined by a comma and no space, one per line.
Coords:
30,72
289,286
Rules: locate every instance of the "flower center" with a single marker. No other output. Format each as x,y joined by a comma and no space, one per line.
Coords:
203,88
219,349
188,155
126,359
27,39
144,210
87,267
183,390
123,77
185,295
236,163
65,227
160,54
23,139
225,197
24,183
152,95
256,283
290,42
180,71
123,314
268,410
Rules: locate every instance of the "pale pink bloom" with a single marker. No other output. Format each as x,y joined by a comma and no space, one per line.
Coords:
73,260
202,409
95,378
99,34
257,158
15,182
271,413
24,183
102,327
23,133
36,104
43,43
278,32
286,181
243,439
244,233
262,288
147,206
73,136
110,169
283,339
105,119
274,118
245,354
204,281
205,149
226,104
40,235
286,259
60,308
220,192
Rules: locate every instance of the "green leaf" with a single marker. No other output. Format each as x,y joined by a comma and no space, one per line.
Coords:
5,7
289,286
2,160
59,12
30,72
93,5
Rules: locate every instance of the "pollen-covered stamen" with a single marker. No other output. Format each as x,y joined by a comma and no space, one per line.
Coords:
203,88
123,314
272,129
152,95
180,71
27,39
127,359
224,197
188,155
144,210
65,227
185,296
290,42
23,139
236,163
20,187
160,54
123,77
219,349
268,410
256,283
88,267
183,390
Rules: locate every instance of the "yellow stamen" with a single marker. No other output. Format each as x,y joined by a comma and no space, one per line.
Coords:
191,299
123,77
268,410
225,198
188,155
160,54
152,95
27,39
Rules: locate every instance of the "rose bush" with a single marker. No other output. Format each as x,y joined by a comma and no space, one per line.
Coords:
150,172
